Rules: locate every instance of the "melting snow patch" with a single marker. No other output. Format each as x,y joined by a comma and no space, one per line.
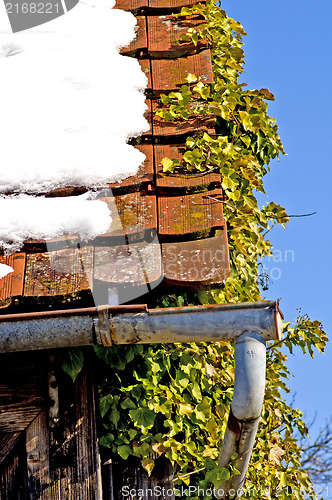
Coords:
4,270
46,218
69,103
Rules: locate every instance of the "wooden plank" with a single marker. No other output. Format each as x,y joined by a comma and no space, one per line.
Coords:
139,45
145,174
131,213
21,391
38,463
61,272
189,214
177,180
74,454
194,123
198,262
165,30
169,74
12,284
118,473
135,263
13,473
8,440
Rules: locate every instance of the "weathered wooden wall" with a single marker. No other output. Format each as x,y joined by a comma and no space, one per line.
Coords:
62,463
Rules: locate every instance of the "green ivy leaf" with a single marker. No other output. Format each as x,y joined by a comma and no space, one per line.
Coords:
128,404
72,361
143,417
124,451
105,403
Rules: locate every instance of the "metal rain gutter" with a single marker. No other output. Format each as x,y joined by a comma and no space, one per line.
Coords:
246,408
250,325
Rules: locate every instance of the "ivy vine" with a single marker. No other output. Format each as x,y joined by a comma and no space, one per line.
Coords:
173,400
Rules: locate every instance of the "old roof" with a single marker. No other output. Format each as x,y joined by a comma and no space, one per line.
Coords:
167,229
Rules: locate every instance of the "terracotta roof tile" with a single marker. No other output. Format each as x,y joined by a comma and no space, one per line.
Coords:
62,272
132,5
171,4
165,30
145,174
179,181
12,284
151,5
131,213
180,211
140,43
146,68
189,214
136,263
178,126
170,74
198,262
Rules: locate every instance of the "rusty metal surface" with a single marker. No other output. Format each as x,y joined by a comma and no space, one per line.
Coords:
177,180
61,272
196,323
169,74
190,214
165,30
85,311
198,262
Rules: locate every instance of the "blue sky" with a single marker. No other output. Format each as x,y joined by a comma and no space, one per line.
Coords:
288,50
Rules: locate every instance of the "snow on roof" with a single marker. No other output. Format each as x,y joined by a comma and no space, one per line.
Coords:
69,103
4,270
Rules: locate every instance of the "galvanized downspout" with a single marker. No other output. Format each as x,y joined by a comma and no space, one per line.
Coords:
249,324
250,369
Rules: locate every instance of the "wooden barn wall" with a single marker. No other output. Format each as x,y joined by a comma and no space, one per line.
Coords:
38,462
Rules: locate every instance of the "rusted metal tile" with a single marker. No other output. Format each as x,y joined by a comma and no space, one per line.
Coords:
145,171
12,284
168,74
175,181
132,5
161,127
136,263
193,213
172,4
61,272
131,213
146,68
198,262
164,30
140,43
